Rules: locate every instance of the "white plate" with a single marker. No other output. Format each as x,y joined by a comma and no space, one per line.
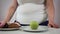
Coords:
40,29
8,29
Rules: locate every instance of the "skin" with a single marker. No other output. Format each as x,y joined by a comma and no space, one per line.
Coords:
10,13
50,11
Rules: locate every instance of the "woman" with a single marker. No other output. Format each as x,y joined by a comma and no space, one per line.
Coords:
13,7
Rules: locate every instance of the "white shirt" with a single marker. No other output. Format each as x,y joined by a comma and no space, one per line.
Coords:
30,10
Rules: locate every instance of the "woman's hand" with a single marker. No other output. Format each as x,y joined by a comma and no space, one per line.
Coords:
2,24
51,24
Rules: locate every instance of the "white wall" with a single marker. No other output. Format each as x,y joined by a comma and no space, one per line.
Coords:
57,11
4,4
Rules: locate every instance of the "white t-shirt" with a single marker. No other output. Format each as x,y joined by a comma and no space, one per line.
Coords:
30,10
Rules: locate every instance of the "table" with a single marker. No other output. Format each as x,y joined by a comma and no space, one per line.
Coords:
50,31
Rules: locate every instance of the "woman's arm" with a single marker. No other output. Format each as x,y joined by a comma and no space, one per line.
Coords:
11,11
50,9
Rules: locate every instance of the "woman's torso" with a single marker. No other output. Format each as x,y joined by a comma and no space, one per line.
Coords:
30,10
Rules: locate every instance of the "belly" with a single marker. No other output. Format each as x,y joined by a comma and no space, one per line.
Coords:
27,13
26,19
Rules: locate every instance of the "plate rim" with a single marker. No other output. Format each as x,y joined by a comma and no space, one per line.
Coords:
34,30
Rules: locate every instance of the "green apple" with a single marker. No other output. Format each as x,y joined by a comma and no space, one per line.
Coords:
34,25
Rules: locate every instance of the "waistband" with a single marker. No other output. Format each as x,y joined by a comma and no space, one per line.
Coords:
43,23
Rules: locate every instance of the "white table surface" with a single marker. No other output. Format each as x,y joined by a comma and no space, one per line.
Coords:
50,31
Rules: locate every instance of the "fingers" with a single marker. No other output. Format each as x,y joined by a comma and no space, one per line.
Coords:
1,24
56,25
49,25
53,25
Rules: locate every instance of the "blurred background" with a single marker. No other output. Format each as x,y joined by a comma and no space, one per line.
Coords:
4,5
